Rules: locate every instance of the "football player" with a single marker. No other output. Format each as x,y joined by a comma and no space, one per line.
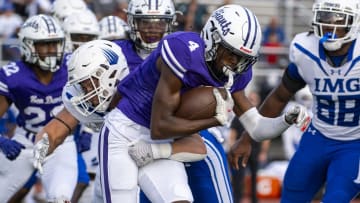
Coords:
326,59
34,85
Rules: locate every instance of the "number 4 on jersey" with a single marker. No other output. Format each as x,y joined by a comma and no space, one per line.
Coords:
193,46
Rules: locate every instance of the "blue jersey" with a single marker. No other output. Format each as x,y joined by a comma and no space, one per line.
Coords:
37,103
129,50
183,52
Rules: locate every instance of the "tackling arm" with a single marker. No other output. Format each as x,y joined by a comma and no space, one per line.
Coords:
58,128
271,107
258,124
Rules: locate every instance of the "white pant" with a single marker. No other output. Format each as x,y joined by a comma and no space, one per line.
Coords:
60,170
162,181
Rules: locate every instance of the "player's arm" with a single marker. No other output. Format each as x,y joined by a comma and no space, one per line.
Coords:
270,108
58,129
164,123
52,135
11,148
4,105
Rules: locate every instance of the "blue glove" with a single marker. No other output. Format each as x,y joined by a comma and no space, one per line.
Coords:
10,148
83,142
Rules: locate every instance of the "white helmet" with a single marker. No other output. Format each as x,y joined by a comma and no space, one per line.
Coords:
61,9
335,14
42,29
101,64
113,28
235,28
79,28
155,18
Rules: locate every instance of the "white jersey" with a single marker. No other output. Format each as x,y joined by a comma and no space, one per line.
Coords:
336,90
94,121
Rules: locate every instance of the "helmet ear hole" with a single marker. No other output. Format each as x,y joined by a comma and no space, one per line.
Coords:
216,37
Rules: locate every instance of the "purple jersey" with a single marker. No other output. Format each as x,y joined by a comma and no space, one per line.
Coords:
37,103
183,52
129,50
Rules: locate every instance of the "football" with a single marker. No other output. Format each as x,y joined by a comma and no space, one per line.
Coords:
198,103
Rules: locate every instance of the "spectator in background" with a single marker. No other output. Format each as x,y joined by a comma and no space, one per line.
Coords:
272,42
28,8
10,23
194,16
104,8
272,28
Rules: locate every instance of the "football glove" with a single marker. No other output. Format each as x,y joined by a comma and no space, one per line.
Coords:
224,107
11,148
41,149
298,115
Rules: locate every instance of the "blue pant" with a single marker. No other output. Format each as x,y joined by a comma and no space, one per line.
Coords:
321,160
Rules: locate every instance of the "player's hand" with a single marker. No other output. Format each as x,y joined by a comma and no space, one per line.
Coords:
240,149
11,148
141,152
41,149
298,115
83,143
224,107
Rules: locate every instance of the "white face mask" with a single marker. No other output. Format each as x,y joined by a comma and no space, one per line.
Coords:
230,75
332,46
49,63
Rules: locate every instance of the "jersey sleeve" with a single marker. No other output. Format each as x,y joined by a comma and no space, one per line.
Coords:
6,73
176,55
242,80
184,54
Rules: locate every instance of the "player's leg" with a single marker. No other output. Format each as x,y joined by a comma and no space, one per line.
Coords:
307,169
343,180
118,171
20,194
14,174
97,193
83,180
60,172
209,179
92,164
165,181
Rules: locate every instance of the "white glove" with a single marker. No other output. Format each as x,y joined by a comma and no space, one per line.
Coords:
298,114
141,152
224,107
40,151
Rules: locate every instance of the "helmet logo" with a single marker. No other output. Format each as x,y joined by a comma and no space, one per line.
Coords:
32,24
111,56
328,4
224,24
